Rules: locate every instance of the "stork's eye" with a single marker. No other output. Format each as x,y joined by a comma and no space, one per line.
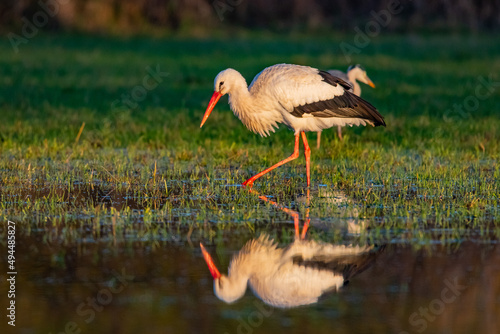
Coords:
220,84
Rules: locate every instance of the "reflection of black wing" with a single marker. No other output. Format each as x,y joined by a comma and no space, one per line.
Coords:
346,265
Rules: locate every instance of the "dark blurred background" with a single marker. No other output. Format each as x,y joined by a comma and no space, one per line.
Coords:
134,16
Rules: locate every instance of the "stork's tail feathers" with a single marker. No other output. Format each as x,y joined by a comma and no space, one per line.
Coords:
346,105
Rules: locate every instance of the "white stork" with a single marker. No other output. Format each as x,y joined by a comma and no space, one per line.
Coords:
354,73
298,274
301,97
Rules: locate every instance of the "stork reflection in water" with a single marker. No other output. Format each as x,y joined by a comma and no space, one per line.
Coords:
295,275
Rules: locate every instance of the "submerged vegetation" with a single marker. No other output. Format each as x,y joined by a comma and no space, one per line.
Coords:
89,149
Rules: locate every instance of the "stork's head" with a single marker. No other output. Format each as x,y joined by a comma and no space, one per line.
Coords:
223,83
357,72
228,289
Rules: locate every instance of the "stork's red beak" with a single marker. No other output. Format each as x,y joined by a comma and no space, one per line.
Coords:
213,101
208,259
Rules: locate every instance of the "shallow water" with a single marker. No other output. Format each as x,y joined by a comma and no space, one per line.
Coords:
98,279
168,289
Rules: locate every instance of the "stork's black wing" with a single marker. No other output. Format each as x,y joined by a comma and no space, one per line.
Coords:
347,105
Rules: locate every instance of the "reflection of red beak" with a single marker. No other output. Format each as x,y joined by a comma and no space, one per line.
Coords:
213,101
208,259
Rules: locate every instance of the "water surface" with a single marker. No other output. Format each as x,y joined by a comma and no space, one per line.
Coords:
94,277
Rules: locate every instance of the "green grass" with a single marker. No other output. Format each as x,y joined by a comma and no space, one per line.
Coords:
151,171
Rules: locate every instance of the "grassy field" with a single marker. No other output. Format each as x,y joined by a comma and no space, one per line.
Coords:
144,166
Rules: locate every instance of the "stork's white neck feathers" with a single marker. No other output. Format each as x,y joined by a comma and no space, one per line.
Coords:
245,106
353,76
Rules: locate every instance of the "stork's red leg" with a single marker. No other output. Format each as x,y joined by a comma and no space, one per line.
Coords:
339,132
318,140
307,153
295,155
